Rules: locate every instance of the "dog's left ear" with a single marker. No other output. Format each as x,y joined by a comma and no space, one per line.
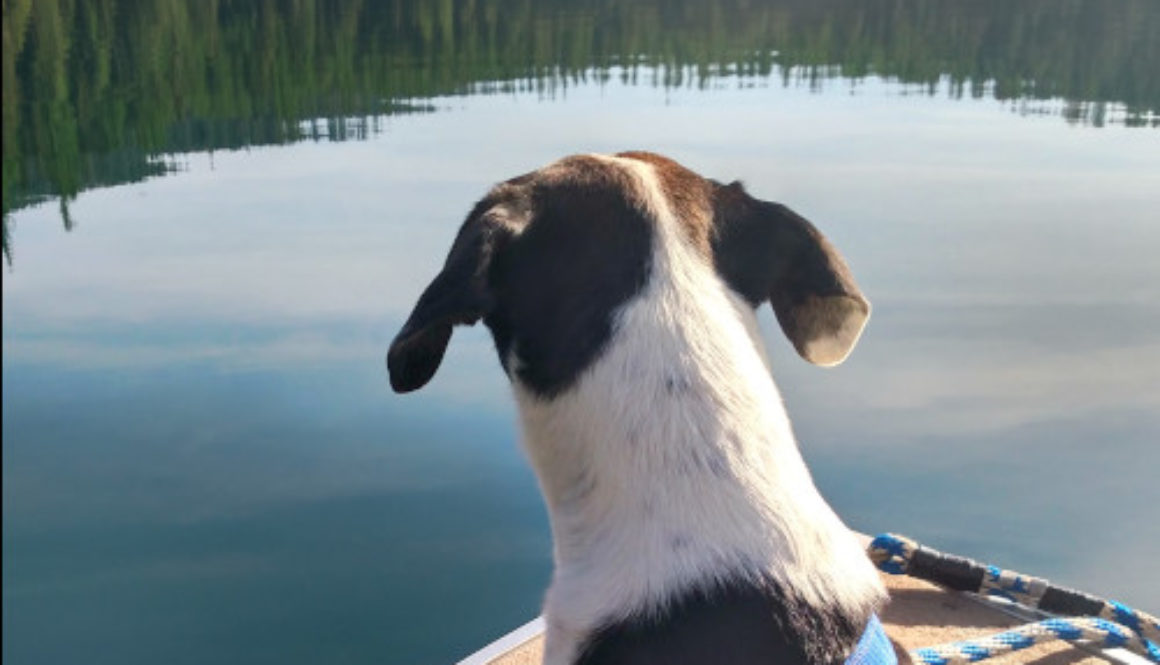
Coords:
766,251
458,295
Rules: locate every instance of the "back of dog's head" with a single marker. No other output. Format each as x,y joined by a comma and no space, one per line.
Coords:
548,258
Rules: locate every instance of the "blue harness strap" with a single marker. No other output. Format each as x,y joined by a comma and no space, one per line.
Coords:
874,648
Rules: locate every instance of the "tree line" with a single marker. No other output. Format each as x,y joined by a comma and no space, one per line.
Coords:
98,92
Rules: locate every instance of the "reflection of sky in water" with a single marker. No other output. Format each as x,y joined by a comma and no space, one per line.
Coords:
200,446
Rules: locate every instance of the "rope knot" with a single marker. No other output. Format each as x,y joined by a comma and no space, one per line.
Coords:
891,553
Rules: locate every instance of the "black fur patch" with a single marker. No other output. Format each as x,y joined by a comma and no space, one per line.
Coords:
738,624
557,285
751,248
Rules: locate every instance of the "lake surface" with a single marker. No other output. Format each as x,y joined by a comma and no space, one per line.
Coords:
217,215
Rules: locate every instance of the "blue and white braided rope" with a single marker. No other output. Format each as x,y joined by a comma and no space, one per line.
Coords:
1091,630
1094,620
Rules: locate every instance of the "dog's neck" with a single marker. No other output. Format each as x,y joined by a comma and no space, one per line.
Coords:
671,465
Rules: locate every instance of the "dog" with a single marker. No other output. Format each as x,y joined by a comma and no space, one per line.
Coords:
620,291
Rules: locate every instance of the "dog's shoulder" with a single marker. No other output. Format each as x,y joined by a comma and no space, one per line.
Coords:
739,623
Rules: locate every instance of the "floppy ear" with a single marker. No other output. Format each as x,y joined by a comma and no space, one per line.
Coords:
458,295
768,252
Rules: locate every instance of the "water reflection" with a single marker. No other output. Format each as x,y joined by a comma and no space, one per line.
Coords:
98,93
202,460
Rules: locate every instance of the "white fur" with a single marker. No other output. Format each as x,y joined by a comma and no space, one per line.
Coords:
672,462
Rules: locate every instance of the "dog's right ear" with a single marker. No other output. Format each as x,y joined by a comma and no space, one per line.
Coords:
458,295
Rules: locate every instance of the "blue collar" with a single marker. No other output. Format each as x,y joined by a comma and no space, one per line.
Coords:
874,648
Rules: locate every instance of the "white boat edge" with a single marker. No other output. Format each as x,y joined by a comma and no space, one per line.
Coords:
517,638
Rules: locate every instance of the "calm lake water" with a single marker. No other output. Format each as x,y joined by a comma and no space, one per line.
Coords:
217,214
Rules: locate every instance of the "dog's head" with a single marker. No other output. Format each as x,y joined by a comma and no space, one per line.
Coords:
548,258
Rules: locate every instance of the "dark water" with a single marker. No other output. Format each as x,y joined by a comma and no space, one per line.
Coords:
202,460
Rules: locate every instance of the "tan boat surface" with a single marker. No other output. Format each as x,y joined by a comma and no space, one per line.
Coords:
919,615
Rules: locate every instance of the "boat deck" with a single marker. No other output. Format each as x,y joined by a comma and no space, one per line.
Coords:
919,615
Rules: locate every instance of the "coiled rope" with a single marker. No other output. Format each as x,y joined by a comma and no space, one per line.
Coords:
1089,619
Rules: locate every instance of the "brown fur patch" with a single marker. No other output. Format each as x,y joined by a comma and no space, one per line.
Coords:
583,170
689,196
